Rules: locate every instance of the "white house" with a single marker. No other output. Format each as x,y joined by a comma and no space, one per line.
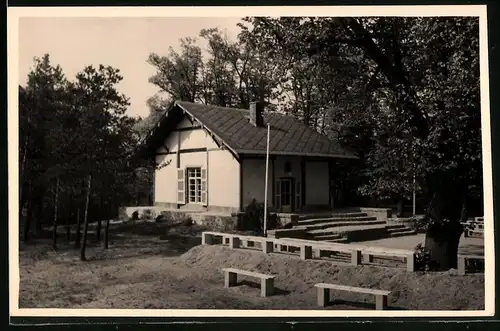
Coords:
213,158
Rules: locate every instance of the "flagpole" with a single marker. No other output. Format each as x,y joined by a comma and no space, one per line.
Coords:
414,196
267,174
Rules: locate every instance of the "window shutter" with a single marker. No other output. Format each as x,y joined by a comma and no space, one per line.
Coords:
278,195
204,190
181,186
298,196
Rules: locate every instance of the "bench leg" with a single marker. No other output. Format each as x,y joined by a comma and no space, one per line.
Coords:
234,242
305,252
266,287
410,263
206,239
461,265
323,296
356,257
268,247
230,279
381,302
367,258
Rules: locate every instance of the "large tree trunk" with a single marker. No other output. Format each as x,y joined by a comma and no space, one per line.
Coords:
444,232
54,230
86,220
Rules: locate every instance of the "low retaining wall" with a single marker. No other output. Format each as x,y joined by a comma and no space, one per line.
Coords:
382,214
359,254
288,233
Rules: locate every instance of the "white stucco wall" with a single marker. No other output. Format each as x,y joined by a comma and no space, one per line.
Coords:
317,185
222,168
165,180
223,179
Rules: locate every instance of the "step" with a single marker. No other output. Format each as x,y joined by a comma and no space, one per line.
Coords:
329,236
395,226
393,230
328,215
329,225
403,233
340,240
335,219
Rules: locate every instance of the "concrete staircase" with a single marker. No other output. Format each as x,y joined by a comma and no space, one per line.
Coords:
346,227
399,230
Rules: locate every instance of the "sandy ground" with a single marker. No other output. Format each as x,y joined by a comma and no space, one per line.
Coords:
140,271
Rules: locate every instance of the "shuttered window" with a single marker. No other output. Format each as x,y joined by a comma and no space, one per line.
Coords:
204,189
181,187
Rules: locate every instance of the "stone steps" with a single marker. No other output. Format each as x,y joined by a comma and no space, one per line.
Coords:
395,228
328,236
306,217
331,225
403,232
332,219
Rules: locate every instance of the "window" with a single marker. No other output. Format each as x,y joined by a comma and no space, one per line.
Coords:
194,181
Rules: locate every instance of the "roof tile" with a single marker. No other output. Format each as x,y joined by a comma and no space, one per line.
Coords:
288,135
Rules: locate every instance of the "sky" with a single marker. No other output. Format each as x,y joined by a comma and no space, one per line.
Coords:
123,43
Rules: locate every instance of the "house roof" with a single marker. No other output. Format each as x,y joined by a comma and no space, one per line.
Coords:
288,136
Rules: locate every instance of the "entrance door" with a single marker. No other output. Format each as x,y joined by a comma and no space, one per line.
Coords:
286,190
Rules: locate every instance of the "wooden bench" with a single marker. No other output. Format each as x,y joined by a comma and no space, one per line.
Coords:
462,262
266,281
324,294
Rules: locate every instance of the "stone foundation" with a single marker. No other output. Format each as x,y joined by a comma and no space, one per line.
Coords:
215,221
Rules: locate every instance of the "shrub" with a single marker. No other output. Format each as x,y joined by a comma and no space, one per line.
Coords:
252,218
187,222
147,214
160,219
135,215
422,258
421,224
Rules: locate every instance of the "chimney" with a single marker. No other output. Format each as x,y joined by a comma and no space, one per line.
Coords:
256,117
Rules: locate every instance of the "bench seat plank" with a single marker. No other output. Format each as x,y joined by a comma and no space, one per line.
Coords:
249,273
352,289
